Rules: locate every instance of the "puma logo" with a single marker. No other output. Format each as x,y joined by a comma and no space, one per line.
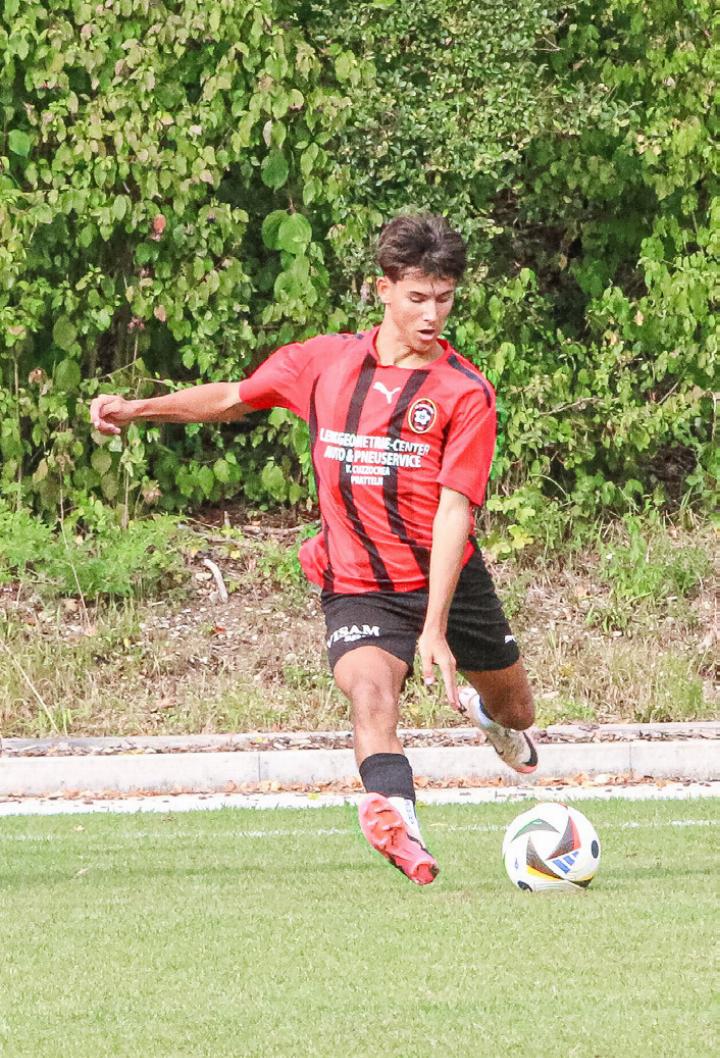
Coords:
389,393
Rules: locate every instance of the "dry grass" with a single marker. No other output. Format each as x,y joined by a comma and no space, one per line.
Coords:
594,650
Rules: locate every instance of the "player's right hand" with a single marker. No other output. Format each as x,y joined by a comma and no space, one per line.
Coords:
434,650
109,413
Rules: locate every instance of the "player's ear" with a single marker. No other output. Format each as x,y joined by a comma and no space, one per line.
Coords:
384,285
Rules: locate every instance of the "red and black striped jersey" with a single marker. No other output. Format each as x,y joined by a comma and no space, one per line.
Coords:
385,439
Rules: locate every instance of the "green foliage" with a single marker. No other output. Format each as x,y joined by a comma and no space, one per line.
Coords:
185,186
146,144
282,565
676,694
591,303
652,565
647,573
140,561
556,710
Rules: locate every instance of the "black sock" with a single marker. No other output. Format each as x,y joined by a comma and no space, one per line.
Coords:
389,774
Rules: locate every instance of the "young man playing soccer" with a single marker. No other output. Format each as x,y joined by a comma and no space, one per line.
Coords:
402,431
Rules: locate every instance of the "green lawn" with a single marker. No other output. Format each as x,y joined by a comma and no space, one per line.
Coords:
268,934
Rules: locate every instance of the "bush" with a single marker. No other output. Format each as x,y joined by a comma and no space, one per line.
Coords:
152,176
184,186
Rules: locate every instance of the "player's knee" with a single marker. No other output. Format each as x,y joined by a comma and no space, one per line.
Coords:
514,709
373,703
524,712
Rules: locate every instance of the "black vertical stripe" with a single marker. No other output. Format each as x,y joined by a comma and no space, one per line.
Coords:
362,387
328,575
453,361
390,485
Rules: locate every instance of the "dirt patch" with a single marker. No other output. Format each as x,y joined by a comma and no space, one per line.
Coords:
257,661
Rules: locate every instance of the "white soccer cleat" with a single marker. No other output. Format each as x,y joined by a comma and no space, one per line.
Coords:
514,748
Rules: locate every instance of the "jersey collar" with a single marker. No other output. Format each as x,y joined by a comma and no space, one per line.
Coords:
369,343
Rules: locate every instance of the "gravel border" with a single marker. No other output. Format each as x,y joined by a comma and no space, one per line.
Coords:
297,740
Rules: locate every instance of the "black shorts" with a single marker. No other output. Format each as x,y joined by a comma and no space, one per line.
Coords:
478,632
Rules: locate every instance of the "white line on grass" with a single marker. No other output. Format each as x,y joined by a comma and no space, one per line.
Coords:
324,832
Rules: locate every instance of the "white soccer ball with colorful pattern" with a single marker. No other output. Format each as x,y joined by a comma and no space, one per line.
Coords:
551,847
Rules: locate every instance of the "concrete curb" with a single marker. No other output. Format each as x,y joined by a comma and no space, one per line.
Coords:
123,773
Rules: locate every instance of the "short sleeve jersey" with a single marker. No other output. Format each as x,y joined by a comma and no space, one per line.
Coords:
384,439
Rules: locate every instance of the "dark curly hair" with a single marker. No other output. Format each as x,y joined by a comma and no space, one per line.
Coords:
422,241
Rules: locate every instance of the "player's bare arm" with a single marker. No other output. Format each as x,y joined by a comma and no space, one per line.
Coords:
450,534
211,402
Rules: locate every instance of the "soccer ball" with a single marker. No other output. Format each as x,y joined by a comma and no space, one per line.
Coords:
551,847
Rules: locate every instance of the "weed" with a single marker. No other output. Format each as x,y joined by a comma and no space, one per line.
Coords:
302,678
142,560
652,566
555,708
595,678
650,577
675,692
514,593
281,565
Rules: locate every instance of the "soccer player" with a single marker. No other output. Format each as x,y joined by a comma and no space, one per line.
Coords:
402,430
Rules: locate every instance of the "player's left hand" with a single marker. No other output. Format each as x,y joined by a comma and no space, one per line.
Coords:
434,650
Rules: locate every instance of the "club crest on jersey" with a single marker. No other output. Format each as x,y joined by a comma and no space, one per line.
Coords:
422,415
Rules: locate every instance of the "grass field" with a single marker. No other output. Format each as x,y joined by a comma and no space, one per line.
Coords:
240,934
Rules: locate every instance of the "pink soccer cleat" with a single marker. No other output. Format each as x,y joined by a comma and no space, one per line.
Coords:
386,830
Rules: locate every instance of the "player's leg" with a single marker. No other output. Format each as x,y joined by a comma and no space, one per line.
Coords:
506,694
372,680
499,699
500,702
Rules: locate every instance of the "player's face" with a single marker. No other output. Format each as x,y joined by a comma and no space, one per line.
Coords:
418,306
